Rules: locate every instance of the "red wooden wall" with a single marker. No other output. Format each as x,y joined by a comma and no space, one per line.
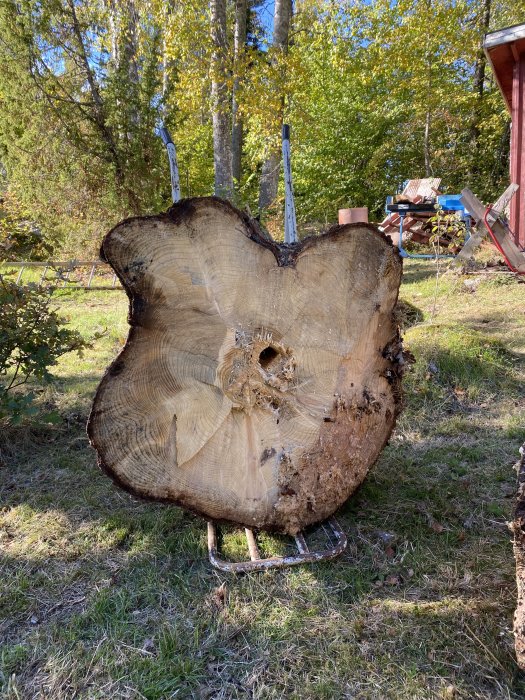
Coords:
517,150
505,50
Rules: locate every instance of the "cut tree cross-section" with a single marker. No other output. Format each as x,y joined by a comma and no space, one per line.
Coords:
259,381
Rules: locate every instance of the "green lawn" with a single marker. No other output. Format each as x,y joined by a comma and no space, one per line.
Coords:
103,596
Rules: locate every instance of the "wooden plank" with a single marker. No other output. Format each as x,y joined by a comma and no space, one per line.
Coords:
389,222
503,201
503,36
480,231
425,187
411,188
419,237
514,257
472,244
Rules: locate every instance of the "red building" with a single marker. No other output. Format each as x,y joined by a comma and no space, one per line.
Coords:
505,50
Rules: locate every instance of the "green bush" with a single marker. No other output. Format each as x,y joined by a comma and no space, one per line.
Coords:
32,338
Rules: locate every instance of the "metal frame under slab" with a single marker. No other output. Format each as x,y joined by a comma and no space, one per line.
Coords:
405,254
304,556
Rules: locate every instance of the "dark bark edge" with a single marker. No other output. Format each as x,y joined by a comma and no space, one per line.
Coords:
286,256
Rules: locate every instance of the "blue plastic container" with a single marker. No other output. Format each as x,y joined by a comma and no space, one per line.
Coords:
450,202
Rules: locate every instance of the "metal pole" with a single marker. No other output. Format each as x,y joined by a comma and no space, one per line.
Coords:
172,157
290,221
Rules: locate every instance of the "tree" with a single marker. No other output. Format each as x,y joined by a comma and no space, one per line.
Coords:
76,128
240,35
221,106
83,85
270,169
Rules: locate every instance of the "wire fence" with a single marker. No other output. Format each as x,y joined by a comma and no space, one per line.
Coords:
92,275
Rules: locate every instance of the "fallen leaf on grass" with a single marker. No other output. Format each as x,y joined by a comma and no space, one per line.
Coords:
219,596
148,646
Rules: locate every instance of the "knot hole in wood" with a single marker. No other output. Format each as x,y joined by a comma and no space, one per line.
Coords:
258,372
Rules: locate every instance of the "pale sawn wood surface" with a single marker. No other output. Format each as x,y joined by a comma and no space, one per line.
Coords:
259,382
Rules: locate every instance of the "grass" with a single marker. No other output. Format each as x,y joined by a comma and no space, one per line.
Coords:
103,596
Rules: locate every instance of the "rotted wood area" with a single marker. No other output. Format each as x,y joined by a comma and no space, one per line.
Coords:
259,382
518,530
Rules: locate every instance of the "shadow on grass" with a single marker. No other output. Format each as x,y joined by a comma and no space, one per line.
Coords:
100,587
407,314
414,272
471,365
141,601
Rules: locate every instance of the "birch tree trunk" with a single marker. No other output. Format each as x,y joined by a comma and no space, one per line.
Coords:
221,106
426,146
130,49
114,31
123,23
167,65
241,9
270,169
479,85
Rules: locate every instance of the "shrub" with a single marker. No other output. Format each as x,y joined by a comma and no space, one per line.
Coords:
32,338
20,237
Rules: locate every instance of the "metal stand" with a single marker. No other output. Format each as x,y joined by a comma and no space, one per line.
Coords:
406,254
290,221
172,158
304,556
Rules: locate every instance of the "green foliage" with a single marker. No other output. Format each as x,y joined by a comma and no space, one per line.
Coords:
32,339
375,93
449,227
77,121
20,238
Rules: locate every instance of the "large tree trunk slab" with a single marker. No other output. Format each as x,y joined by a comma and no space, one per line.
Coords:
259,381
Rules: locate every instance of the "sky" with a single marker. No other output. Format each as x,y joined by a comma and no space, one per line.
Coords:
265,12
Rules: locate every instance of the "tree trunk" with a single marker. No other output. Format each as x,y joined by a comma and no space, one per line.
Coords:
241,10
259,383
168,66
270,169
114,31
426,146
222,155
481,60
130,49
479,87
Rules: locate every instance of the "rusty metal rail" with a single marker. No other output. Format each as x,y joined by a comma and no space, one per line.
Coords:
62,273
256,563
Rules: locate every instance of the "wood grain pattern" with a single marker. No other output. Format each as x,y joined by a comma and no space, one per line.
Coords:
259,382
